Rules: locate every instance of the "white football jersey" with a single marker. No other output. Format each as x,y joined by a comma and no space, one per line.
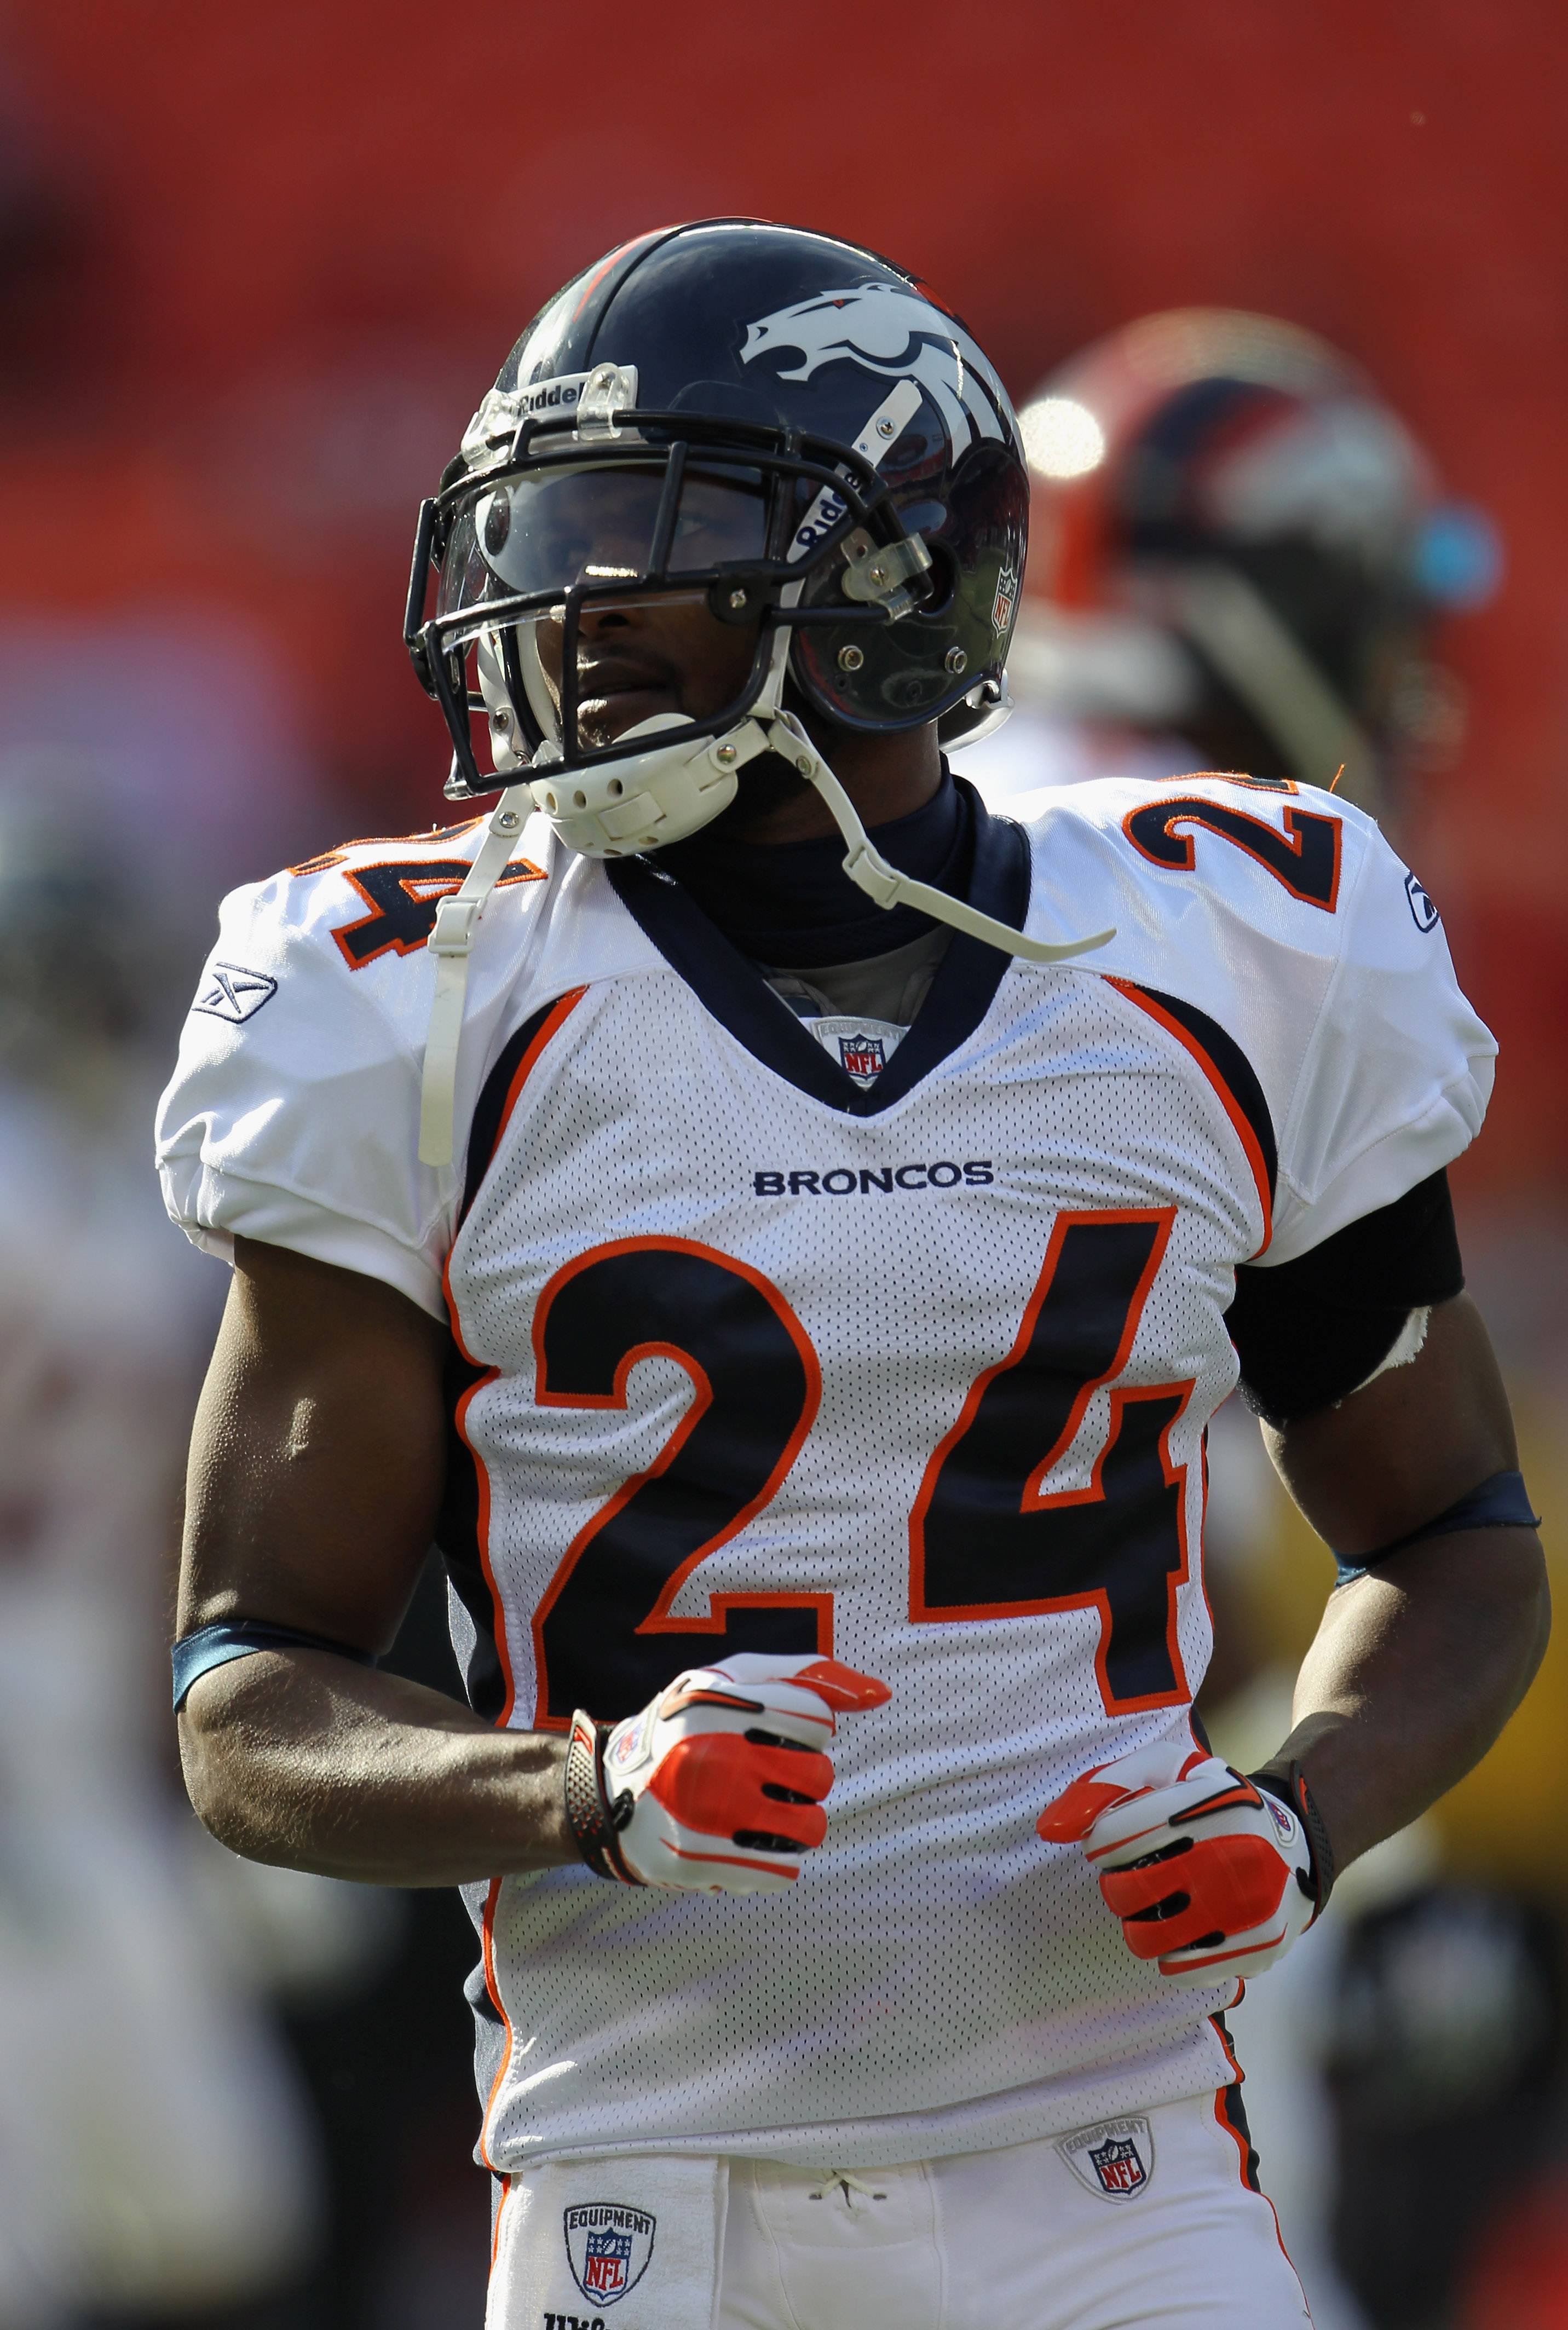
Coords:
757,1353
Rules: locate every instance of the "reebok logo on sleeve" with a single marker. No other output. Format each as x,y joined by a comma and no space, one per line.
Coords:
1423,910
230,991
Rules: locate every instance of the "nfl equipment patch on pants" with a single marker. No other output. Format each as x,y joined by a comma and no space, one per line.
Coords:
1148,2219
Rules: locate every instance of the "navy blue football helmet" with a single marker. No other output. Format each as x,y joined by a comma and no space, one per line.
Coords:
774,426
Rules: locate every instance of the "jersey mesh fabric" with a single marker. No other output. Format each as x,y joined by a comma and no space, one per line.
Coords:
938,1979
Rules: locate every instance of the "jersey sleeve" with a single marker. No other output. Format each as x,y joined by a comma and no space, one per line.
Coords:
293,1114
1397,1070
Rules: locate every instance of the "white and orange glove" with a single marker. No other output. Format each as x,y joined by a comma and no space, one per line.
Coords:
1212,1873
718,1785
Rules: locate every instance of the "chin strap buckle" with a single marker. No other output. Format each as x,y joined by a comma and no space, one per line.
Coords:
869,871
455,921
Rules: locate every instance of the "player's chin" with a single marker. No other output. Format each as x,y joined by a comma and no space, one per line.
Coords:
765,785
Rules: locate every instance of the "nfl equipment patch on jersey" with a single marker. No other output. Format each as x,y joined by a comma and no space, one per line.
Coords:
609,2248
1114,2159
862,1047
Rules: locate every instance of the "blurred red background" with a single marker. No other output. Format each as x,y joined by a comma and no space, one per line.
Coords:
257,265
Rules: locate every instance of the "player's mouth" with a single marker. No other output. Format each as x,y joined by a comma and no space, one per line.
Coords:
616,692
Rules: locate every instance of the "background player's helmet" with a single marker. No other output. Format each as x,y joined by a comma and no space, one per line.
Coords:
1235,538
777,427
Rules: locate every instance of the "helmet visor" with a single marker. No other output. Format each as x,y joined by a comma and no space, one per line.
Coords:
545,532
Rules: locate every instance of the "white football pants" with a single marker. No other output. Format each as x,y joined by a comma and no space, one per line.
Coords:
1091,2234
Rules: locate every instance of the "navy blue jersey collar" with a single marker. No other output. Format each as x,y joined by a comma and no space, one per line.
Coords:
733,989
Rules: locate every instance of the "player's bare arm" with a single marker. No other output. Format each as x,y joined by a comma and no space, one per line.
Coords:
1418,1662
315,1474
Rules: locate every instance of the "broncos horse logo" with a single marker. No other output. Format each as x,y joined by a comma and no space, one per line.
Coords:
892,332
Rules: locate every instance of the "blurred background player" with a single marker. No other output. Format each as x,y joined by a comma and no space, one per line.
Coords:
1238,551
128,2016
165,2009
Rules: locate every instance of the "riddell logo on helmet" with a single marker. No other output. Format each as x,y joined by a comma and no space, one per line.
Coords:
550,393
504,410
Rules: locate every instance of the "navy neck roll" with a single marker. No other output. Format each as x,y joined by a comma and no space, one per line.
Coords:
791,905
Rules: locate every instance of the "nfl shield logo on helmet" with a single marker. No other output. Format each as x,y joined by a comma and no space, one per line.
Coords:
608,2246
1116,2159
1002,605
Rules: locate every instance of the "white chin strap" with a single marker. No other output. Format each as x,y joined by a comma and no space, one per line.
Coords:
677,788
869,871
451,942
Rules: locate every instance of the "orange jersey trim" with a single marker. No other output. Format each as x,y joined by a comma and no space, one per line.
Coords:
1240,1121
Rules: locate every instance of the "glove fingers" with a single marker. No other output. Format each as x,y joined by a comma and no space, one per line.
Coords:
769,1708
1194,1807
715,1784
705,1690
1232,1882
684,1859
1068,1818
1156,1938
1118,1790
807,1706
1129,1892
798,1707
844,1688
1240,1954
1241,1882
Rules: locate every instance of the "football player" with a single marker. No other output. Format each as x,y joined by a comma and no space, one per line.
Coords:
782,1230
1238,549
